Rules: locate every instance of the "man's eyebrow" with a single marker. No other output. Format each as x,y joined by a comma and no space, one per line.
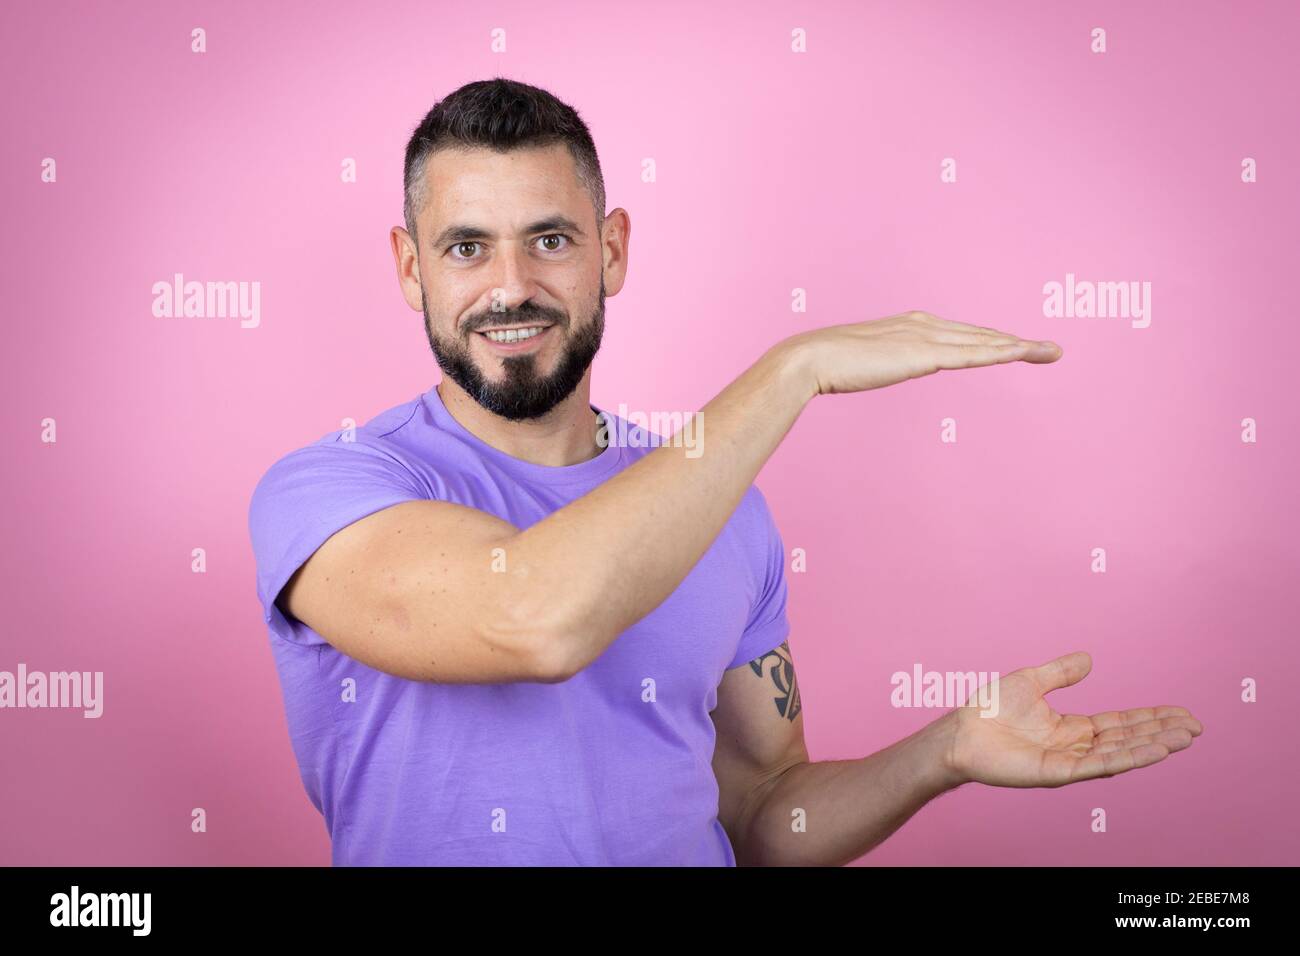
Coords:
466,233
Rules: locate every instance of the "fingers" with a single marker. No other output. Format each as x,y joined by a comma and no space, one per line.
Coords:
970,336
929,318
974,355
1189,724
1116,761
1118,719
1044,353
1121,748
947,356
959,333
1172,740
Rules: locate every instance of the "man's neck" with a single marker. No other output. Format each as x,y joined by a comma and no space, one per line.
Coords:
566,435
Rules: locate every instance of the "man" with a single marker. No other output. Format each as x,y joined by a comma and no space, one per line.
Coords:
504,639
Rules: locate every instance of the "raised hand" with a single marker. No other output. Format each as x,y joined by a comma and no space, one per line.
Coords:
866,355
1028,744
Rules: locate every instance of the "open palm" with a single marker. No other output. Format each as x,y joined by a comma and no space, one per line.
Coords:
1028,744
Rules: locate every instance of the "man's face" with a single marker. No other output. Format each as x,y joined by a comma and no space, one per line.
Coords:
508,241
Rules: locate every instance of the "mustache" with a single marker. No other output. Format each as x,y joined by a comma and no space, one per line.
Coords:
490,320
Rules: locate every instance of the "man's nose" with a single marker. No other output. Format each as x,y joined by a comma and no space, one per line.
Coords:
512,278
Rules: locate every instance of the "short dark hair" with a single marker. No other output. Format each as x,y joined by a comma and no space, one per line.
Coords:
503,115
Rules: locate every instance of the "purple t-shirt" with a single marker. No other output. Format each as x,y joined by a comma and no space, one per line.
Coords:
609,768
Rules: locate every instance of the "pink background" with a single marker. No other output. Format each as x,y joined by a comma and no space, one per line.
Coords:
775,171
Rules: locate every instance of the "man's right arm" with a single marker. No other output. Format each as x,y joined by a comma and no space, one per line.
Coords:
411,590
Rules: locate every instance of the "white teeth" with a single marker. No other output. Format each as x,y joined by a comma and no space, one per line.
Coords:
514,335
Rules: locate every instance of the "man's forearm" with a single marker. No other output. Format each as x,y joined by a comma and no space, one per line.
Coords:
595,567
830,812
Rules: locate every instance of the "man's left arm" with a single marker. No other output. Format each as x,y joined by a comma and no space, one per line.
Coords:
767,785
846,807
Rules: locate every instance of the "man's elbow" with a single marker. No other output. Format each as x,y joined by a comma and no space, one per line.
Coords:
763,832
547,648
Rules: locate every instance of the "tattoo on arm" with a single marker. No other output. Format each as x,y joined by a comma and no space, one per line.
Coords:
780,666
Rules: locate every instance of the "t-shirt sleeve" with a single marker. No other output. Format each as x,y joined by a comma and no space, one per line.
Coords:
307,496
768,626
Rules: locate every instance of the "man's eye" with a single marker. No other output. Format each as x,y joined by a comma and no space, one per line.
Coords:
551,243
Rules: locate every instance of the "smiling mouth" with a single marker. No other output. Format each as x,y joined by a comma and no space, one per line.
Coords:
521,333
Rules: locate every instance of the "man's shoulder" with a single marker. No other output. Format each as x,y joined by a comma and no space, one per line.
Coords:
387,436
386,428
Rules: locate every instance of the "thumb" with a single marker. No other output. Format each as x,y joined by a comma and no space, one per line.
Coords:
1063,671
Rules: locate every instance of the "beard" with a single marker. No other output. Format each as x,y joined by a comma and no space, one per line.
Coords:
522,393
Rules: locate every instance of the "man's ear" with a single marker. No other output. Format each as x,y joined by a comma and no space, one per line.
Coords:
616,232
403,252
